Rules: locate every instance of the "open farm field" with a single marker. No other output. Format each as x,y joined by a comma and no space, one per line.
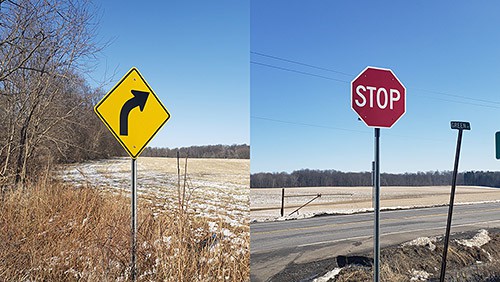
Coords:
216,188
266,202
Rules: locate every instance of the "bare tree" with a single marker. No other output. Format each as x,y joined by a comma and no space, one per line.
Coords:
45,47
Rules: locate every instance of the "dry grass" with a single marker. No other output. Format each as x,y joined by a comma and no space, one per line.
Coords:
404,263
55,232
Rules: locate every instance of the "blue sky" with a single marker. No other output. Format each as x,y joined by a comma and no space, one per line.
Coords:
446,53
194,55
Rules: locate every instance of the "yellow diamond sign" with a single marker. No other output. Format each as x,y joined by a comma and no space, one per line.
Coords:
132,112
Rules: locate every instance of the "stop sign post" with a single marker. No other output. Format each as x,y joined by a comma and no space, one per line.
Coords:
379,99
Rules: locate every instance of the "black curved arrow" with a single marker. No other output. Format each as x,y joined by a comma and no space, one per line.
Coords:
139,99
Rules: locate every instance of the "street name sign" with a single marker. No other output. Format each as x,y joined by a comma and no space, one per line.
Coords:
132,112
460,125
378,97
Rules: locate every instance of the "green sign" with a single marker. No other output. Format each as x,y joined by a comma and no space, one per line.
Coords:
497,145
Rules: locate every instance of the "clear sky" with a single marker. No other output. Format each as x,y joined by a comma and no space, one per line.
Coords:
446,53
194,55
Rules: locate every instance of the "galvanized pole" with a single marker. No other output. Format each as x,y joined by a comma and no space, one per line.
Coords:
376,204
282,201
450,209
373,182
134,219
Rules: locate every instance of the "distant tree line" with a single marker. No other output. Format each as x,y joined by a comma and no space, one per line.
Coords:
315,178
209,151
482,178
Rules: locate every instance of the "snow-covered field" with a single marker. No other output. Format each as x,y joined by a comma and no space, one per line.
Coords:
265,203
217,189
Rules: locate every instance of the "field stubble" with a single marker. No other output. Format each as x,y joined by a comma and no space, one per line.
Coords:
266,202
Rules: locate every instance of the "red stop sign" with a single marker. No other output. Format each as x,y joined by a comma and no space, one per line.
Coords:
378,97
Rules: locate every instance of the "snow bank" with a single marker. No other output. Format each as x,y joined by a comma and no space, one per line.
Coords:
263,218
422,241
478,240
329,275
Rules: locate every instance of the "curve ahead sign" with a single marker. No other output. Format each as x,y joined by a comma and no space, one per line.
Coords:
132,112
378,97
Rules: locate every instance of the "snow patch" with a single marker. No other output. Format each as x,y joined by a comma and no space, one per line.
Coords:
212,227
419,275
227,233
336,212
310,214
360,210
478,240
422,241
329,275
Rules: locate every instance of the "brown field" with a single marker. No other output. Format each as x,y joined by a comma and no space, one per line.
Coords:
216,188
265,203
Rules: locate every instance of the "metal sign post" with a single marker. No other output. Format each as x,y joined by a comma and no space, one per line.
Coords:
132,128
134,219
282,201
461,126
497,145
379,99
373,183
376,205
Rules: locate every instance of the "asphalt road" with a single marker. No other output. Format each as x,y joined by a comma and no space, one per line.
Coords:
274,245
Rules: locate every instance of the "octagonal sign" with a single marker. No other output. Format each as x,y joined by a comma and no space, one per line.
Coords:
378,97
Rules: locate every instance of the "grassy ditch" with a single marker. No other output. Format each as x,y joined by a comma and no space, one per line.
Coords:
56,232
472,257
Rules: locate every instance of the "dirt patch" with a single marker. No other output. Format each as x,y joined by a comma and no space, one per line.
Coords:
305,272
417,260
